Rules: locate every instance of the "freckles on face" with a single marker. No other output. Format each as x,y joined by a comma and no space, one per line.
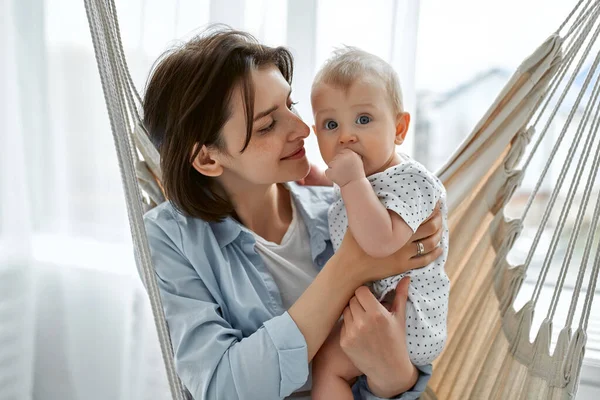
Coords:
276,132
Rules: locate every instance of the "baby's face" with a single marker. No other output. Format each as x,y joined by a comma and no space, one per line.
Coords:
361,119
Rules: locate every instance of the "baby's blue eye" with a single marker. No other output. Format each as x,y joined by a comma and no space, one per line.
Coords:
363,120
331,124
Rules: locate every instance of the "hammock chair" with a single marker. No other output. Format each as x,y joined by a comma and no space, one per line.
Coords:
489,354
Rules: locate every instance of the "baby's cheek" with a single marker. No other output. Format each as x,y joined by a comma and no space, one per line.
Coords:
327,149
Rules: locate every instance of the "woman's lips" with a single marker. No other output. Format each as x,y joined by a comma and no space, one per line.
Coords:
296,155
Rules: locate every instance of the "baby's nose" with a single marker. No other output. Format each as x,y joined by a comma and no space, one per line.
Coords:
347,137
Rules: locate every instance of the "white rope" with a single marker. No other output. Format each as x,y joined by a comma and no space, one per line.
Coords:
583,323
583,14
571,51
105,50
561,178
555,111
546,216
124,68
581,211
590,239
574,183
128,107
557,144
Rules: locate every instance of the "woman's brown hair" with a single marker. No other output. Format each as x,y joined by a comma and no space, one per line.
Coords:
186,104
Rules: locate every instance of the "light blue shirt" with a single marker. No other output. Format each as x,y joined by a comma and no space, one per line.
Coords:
231,336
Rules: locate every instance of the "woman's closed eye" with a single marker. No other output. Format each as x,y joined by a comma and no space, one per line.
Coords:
267,128
363,119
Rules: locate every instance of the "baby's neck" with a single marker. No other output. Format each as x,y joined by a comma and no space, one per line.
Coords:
394,159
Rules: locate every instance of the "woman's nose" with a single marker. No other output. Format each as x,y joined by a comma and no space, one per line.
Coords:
298,129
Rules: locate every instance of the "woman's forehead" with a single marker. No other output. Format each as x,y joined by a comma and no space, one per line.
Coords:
269,85
270,89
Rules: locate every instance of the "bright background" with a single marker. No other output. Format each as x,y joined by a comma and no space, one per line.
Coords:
74,320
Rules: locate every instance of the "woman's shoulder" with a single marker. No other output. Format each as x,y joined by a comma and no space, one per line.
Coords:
163,215
165,221
162,212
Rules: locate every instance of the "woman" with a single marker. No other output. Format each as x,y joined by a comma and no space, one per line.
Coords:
237,248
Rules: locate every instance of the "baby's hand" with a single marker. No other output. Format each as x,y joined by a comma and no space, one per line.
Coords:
345,167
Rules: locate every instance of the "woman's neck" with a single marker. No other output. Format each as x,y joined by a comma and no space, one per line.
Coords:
265,210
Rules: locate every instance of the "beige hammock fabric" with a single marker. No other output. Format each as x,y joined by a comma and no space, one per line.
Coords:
488,354
477,362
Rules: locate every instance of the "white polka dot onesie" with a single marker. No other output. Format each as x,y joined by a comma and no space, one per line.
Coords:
412,192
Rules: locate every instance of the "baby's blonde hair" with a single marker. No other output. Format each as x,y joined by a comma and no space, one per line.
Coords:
348,63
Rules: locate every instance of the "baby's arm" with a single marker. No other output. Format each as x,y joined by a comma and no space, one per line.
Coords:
378,231
409,193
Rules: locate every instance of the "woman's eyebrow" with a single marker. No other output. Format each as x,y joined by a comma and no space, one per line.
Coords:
265,113
270,110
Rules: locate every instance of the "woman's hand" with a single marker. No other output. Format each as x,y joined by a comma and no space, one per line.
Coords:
366,268
375,341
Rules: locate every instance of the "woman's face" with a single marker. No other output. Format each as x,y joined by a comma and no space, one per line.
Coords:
275,153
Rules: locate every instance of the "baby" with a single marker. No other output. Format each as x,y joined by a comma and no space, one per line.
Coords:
382,196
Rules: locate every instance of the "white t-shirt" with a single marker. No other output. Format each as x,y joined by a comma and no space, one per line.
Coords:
412,192
291,265
290,262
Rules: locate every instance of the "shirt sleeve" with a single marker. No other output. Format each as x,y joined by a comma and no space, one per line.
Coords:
361,390
213,359
409,191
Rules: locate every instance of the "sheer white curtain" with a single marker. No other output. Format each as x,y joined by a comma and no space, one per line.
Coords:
16,281
74,320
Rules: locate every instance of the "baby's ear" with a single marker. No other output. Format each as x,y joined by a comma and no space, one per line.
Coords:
402,124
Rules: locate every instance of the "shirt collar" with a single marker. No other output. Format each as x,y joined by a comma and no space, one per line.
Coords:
312,202
226,231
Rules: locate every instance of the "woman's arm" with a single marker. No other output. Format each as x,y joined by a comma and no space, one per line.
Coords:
319,307
378,231
216,360
375,340
213,359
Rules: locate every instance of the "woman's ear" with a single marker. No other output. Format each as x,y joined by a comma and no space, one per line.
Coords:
402,124
207,163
